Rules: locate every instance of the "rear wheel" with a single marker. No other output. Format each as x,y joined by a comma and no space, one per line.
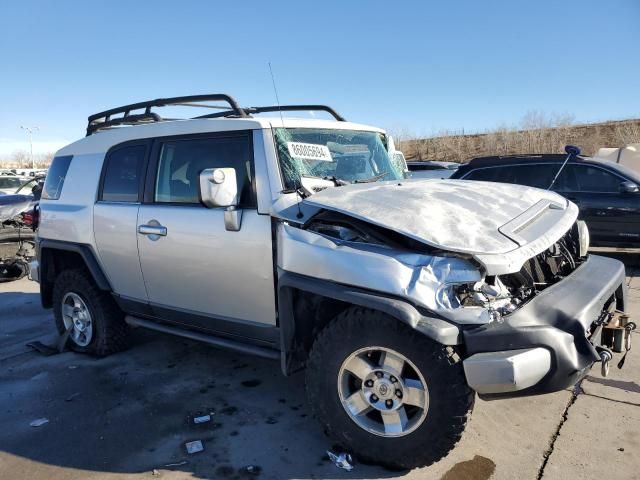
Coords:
385,392
95,323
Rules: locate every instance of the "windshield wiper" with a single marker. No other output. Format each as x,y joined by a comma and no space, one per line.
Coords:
375,178
339,182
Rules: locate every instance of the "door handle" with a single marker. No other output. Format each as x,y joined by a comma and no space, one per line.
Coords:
152,230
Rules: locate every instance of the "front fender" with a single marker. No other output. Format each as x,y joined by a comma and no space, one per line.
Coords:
433,327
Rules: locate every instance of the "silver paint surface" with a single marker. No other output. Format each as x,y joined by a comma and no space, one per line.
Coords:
114,227
459,216
412,276
507,371
202,268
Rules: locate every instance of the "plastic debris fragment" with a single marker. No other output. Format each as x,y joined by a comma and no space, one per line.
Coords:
202,419
194,447
252,469
176,464
341,460
38,422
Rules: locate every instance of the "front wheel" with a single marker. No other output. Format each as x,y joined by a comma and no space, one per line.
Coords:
385,392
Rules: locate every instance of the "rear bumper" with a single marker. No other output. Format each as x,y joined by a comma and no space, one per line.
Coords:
506,359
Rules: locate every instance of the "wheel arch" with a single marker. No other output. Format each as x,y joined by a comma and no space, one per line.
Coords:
55,256
306,305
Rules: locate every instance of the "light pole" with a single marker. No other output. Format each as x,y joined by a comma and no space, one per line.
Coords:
30,131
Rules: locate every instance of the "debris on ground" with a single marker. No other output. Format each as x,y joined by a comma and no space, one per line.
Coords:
38,422
194,447
341,460
155,472
202,419
251,470
177,464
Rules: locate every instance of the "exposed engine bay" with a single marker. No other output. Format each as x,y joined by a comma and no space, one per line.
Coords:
505,293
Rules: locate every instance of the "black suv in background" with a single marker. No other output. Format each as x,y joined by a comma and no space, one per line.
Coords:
607,193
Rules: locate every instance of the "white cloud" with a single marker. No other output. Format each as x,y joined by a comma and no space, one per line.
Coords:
11,145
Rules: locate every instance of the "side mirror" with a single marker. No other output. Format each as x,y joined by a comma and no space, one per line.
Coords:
629,187
219,188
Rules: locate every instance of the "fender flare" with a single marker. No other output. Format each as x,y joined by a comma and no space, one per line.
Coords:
435,328
88,257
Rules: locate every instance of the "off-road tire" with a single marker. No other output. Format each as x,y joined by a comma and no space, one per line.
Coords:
110,332
450,398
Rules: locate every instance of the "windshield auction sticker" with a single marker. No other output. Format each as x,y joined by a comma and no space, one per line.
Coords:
309,151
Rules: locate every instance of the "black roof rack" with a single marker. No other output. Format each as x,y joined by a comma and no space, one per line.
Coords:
280,108
101,120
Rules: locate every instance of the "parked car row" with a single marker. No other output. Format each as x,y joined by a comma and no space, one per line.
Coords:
18,221
432,169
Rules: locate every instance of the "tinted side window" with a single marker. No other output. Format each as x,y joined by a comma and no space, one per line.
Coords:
55,177
181,162
483,174
123,170
582,178
539,176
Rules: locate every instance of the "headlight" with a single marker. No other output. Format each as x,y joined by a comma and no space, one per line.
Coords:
494,299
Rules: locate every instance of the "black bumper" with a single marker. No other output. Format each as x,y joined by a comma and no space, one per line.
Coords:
556,319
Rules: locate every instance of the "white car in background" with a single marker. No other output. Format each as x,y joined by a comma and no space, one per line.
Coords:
10,183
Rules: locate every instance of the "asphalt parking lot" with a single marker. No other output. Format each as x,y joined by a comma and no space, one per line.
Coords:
129,415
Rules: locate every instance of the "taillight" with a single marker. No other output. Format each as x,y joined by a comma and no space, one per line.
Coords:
31,218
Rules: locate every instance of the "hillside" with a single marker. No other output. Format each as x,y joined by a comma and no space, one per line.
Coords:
461,148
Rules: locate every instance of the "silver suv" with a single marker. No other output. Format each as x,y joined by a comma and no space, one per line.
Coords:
302,240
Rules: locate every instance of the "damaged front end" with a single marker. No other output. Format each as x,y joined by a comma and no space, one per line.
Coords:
454,286
520,329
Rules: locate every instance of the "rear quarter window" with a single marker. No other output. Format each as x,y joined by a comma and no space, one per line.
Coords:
122,174
55,177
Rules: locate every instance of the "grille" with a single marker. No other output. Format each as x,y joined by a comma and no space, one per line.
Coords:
546,268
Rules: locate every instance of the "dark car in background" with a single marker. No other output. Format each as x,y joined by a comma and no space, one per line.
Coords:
431,169
606,193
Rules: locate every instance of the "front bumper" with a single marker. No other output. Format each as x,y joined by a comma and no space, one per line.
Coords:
506,359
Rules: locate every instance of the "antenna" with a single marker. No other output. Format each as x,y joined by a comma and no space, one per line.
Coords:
275,90
571,151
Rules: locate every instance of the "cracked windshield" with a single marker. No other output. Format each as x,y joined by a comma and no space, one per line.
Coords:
341,156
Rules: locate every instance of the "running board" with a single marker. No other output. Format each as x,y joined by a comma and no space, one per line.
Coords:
201,337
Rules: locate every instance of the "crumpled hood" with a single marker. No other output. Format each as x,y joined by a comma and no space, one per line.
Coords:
479,218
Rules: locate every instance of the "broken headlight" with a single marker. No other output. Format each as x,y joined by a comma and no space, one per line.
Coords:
491,295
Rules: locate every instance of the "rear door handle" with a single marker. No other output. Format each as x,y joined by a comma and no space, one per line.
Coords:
152,230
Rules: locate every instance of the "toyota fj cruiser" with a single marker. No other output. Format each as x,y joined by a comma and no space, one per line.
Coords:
301,240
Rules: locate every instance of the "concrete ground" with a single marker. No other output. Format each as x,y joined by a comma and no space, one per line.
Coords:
129,415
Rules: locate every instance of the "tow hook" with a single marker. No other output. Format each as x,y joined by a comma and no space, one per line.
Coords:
616,335
605,357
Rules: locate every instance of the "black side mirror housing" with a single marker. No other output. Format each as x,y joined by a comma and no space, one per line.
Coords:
629,187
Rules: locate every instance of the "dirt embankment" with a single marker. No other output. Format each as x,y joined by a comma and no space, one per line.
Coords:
461,148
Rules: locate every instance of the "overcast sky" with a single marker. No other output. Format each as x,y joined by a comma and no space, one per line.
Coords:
418,66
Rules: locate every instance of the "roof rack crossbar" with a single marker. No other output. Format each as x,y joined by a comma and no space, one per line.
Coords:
281,108
103,119
127,120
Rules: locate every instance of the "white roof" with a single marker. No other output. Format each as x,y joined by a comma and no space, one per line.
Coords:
102,140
